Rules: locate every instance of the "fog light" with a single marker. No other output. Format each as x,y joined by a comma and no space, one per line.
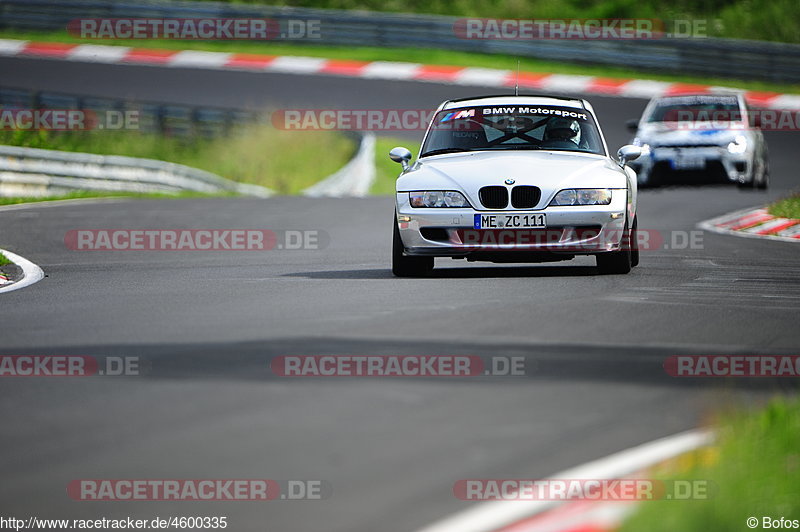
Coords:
403,218
617,215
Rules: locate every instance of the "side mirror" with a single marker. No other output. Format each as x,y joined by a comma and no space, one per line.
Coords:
632,125
401,155
627,153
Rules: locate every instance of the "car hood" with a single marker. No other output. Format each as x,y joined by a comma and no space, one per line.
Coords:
661,134
550,171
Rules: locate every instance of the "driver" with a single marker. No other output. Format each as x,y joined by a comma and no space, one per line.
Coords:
562,130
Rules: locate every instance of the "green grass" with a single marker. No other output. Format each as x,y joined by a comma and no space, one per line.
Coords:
757,473
81,194
786,208
285,161
386,170
4,260
773,20
414,55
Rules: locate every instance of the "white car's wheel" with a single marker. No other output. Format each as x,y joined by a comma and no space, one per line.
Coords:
617,262
763,183
634,242
403,266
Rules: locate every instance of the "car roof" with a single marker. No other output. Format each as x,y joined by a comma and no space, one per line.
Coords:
706,95
510,99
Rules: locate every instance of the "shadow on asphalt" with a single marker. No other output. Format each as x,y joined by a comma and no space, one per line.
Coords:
479,272
542,362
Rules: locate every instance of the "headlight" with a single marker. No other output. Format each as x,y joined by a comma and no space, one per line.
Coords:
437,198
582,196
739,145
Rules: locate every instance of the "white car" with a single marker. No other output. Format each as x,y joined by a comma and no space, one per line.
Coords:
514,179
700,137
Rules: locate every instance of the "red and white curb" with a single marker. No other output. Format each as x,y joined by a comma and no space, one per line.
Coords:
386,70
580,516
31,273
755,223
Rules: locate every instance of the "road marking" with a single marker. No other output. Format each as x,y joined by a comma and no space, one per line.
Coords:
98,53
489,516
199,59
297,65
31,273
459,75
733,223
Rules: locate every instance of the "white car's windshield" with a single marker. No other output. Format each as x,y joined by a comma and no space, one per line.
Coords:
697,109
513,127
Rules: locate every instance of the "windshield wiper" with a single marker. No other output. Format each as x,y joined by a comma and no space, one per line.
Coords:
517,147
445,150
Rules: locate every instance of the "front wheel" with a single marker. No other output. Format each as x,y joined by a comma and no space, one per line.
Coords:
763,184
618,262
403,266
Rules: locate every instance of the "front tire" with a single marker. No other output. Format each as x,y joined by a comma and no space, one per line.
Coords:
764,183
618,262
403,266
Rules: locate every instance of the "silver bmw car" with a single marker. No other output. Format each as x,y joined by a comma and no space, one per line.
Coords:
514,179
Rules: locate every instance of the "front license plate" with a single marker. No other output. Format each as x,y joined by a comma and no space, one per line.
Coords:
509,221
688,163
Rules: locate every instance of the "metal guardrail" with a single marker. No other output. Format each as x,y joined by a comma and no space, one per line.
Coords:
32,171
730,58
354,178
171,120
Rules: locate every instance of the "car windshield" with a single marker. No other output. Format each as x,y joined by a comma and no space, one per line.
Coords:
698,109
513,127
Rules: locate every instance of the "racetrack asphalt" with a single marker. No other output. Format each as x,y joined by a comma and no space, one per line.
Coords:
206,325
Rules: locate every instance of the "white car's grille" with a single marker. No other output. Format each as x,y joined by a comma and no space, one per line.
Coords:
525,197
494,197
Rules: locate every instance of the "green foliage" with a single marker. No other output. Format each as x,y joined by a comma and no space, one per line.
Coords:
285,161
757,474
768,20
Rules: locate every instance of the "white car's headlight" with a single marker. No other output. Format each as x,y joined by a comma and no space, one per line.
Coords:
739,144
437,198
582,196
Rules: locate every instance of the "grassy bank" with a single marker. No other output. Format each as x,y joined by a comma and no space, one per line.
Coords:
83,194
786,208
285,161
769,20
757,474
413,55
386,170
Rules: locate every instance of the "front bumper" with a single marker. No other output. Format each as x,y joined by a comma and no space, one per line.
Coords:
575,230
735,167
